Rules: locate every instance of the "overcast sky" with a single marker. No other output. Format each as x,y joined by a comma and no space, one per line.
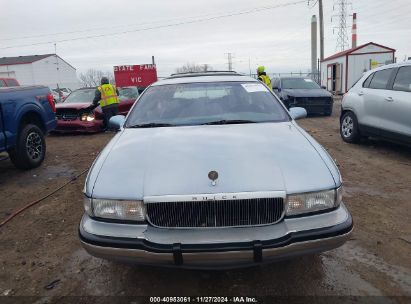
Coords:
272,35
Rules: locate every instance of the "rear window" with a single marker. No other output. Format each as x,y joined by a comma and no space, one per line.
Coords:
403,79
81,96
12,83
299,83
380,79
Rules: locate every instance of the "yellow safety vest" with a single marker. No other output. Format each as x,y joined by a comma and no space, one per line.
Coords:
266,80
108,95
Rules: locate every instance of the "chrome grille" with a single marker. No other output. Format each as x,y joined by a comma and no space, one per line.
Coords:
67,116
216,213
313,100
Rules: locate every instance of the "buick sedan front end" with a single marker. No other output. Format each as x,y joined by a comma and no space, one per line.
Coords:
209,172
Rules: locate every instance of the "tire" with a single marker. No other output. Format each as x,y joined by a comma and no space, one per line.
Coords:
30,148
349,128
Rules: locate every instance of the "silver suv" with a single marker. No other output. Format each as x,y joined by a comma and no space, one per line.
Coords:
379,105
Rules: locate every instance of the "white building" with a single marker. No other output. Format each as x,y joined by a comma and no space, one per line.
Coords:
339,72
48,69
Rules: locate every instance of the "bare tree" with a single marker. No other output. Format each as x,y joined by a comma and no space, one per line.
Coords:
92,78
191,67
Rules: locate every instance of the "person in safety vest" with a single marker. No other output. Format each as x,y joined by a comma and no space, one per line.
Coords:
107,95
262,76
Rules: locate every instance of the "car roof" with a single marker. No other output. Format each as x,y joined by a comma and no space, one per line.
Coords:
212,76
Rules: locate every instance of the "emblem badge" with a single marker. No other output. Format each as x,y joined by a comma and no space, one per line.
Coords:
213,176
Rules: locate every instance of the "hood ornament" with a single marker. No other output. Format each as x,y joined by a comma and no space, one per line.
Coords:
213,176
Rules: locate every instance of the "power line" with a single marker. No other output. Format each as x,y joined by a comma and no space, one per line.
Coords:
254,10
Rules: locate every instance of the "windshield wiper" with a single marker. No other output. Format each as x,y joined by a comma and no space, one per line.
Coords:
151,125
229,121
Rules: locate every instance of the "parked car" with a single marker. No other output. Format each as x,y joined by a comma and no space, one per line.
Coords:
9,82
26,116
212,171
379,105
73,114
303,92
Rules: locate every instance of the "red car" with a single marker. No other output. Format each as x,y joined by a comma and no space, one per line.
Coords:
9,82
73,115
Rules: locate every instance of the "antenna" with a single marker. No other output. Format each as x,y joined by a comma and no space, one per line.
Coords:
341,7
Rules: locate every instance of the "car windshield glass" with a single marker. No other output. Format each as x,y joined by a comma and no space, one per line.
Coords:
13,83
206,103
299,83
81,96
128,93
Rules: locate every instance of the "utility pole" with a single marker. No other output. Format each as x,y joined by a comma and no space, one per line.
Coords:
341,6
321,19
57,68
230,61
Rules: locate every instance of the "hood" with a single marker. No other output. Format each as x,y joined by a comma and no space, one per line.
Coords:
306,92
76,106
177,160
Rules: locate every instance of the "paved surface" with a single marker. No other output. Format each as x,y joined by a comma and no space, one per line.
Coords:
41,246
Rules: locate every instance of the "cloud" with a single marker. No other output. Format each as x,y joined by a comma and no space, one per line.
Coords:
278,38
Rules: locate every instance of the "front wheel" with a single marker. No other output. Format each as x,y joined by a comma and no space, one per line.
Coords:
30,148
349,128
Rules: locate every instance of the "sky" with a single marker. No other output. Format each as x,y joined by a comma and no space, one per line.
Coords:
273,33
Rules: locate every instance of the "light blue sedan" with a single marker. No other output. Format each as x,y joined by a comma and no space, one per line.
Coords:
209,171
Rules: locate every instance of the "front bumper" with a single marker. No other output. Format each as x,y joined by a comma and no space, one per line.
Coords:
68,126
216,247
313,106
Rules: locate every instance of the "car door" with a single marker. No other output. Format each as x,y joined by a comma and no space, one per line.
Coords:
396,122
373,94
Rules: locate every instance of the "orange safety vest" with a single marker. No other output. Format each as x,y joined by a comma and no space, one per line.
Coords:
108,95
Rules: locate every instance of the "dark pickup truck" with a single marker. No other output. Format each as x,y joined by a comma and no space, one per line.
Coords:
27,114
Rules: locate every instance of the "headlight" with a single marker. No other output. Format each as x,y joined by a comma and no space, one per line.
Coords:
115,209
313,201
87,117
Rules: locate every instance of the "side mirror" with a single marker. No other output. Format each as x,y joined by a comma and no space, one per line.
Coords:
116,122
298,112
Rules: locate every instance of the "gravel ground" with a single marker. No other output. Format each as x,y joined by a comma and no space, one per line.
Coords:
41,255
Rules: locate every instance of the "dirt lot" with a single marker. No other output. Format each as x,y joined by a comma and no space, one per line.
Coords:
41,245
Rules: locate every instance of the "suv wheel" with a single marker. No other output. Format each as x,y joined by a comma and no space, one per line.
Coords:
30,148
349,128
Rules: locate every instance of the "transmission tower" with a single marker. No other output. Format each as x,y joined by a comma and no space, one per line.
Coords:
341,8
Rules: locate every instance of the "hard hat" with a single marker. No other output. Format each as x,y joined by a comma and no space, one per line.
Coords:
104,80
260,69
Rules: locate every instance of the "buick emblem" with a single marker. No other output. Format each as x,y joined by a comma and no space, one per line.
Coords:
213,176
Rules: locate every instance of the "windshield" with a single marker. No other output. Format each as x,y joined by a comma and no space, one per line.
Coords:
299,83
81,96
206,103
128,93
